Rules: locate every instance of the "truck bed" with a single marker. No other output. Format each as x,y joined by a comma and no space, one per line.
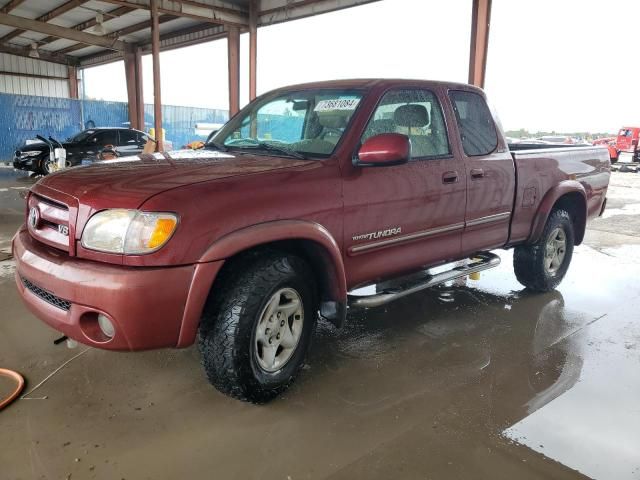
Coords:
543,169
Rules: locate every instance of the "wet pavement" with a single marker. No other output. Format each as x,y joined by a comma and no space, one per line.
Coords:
478,380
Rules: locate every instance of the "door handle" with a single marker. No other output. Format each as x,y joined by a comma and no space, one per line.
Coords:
449,177
477,173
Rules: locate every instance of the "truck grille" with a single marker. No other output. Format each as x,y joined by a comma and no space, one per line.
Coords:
48,297
48,222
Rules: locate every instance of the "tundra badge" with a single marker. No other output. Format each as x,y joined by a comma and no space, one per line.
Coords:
379,234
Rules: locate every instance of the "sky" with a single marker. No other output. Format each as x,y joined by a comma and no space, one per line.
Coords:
565,66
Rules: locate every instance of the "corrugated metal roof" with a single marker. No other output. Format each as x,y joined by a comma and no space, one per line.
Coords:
183,22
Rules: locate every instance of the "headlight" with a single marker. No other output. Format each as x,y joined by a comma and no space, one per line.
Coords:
30,154
128,231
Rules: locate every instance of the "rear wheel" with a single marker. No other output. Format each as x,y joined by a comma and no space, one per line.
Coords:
257,326
543,265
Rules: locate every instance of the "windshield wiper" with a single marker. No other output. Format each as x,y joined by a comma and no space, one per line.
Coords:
275,148
217,146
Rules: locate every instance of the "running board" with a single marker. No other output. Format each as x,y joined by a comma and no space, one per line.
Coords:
479,262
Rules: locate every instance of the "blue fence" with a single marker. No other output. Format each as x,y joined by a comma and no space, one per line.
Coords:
23,117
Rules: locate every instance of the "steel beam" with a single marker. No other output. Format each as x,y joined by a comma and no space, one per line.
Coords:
11,5
218,12
60,32
201,34
133,75
277,11
56,12
120,33
155,53
480,22
253,48
118,12
52,57
233,56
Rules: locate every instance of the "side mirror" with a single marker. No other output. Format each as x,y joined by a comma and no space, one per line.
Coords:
384,150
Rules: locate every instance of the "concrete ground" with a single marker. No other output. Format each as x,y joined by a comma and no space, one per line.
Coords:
476,381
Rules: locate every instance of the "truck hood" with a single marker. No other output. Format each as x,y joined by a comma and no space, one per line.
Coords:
127,182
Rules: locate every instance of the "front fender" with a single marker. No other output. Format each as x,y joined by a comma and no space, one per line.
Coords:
269,232
549,200
329,257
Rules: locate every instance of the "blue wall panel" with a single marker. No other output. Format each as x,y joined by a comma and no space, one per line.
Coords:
23,117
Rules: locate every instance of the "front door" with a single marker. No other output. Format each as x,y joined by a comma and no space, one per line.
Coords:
399,218
489,171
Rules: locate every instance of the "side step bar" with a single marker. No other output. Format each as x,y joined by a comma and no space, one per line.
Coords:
479,262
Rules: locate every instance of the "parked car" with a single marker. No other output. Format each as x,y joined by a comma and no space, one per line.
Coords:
86,145
610,144
628,142
308,193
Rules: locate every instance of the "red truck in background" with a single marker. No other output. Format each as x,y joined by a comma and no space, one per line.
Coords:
610,144
308,193
627,141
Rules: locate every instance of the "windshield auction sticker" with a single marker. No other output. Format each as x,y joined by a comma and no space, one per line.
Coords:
337,104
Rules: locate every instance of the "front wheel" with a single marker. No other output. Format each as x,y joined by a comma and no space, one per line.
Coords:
46,166
257,326
542,265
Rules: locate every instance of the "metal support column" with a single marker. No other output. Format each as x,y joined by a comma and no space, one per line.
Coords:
73,82
233,55
253,47
481,19
133,74
155,53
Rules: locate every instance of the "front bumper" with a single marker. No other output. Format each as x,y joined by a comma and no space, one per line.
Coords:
149,307
28,163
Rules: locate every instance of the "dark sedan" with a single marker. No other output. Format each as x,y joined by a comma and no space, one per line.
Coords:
86,145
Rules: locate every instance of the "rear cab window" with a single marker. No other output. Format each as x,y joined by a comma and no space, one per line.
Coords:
478,133
415,113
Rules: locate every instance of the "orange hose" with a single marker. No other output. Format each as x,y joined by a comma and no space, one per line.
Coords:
19,386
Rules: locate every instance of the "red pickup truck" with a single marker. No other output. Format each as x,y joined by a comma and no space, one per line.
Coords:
308,193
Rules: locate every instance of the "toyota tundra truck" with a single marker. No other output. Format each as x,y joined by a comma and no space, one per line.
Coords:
307,194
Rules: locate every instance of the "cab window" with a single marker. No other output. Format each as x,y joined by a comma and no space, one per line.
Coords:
415,113
475,123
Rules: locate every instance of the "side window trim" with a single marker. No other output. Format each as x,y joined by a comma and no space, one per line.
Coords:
438,103
454,107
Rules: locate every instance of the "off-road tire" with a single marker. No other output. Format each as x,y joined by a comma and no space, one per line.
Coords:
227,330
529,260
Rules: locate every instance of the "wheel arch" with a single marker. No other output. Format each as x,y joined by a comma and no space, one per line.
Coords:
310,240
569,195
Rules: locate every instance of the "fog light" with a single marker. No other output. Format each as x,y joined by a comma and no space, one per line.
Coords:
106,326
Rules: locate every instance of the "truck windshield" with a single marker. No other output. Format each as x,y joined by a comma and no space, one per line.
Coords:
305,123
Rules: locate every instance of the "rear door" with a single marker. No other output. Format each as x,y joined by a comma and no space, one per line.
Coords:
490,174
398,218
129,143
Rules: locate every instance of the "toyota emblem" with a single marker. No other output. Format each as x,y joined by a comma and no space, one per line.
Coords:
34,217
